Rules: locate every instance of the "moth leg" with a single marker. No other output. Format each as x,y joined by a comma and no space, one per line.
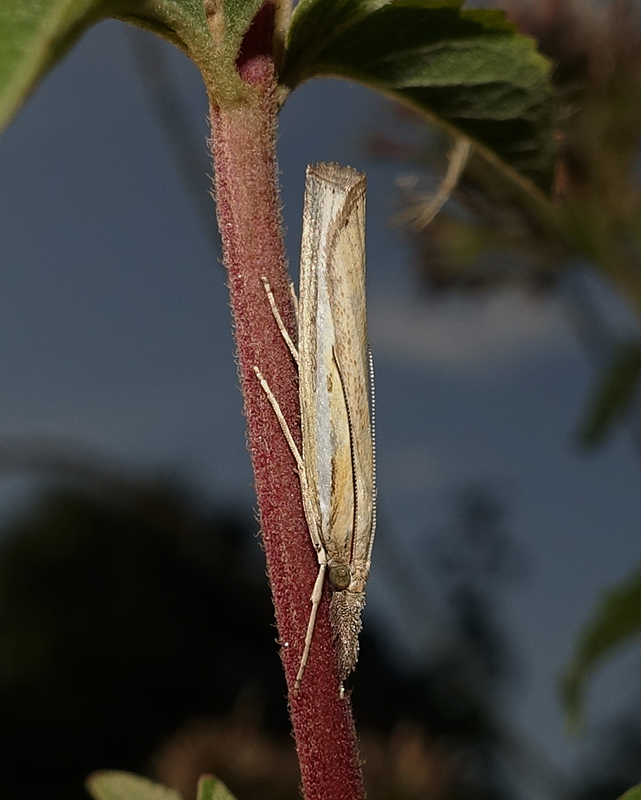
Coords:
317,593
283,425
313,524
279,320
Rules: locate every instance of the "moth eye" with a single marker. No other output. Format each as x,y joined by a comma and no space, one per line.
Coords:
340,577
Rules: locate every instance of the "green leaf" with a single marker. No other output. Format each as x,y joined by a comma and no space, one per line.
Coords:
33,35
632,794
614,395
210,788
469,69
184,22
113,785
614,623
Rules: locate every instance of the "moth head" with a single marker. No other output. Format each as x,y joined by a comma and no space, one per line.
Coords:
339,577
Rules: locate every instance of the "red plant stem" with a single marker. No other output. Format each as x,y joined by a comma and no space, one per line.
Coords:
243,146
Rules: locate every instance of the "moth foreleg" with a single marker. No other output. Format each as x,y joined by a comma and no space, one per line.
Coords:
313,524
279,320
317,593
283,424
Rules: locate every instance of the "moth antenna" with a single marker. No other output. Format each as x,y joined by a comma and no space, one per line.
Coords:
372,416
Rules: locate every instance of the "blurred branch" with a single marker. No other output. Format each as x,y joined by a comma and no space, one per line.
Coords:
423,208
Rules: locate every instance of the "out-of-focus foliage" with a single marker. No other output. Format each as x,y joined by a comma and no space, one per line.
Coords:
615,395
125,610
632,794
595,210
613,762
210,788
136,633
113,785
614,623
490,236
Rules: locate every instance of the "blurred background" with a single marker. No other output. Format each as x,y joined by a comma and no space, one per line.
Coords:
136,627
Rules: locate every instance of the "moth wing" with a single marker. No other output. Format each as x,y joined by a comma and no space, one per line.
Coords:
327,447
347,293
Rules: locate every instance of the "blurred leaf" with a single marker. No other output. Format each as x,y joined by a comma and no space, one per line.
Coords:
468,68
113,785
210,788
632,794
33,35
614,395
615,621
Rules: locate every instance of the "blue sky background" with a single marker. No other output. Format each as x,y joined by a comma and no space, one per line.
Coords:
115,335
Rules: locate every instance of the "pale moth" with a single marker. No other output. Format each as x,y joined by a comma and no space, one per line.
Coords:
336,465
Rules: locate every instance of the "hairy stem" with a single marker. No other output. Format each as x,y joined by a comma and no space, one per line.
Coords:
243,147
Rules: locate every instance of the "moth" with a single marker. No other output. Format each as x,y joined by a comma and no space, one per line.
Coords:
337,462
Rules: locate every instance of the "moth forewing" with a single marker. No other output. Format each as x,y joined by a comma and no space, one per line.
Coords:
334,389
347,299
325,423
